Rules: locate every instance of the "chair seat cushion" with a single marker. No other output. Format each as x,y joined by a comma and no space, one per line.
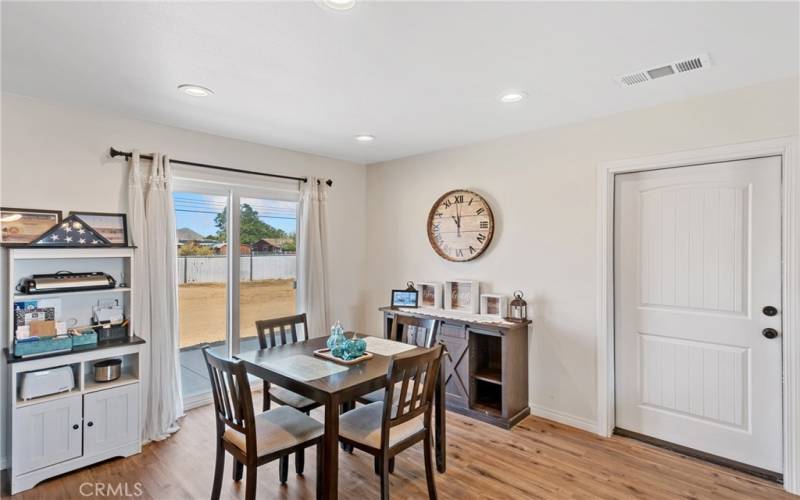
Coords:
277,430
363,425
287,397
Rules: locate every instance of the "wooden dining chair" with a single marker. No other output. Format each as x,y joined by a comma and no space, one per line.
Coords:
417,331
385,428
254,440
275,332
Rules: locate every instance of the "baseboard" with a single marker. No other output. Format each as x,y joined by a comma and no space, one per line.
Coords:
192,402
564,418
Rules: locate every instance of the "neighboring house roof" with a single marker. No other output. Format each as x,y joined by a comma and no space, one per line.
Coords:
186,234
276,242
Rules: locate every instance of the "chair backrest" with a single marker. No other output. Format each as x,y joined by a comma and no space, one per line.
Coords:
416,376
285,329
232,400
426,329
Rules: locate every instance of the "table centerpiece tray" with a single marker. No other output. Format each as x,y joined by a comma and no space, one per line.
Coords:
325,353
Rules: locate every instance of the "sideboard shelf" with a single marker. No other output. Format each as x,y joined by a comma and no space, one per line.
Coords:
486,373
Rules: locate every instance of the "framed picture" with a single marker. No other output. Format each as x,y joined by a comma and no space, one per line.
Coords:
462,296
430,294
494,305
405,298
113,227
20,226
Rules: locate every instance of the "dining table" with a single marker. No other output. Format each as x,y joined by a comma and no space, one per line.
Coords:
337,392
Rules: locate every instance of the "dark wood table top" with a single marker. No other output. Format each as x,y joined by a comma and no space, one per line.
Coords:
357,380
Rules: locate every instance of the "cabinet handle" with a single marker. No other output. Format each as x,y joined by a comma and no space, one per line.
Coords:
75,426
90,424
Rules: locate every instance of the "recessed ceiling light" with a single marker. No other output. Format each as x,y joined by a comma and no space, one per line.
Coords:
365,138
339,4
514,96
195,90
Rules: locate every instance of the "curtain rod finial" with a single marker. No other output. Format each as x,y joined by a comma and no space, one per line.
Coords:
115,152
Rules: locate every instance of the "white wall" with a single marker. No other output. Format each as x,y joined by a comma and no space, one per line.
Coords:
56,157
541,187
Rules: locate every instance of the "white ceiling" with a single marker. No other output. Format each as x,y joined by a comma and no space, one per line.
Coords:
418,76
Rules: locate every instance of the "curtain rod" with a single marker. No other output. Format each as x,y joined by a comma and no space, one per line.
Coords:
115,152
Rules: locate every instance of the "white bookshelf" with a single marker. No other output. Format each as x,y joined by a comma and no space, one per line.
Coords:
83,433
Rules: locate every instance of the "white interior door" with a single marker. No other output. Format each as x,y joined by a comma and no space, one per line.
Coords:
697,258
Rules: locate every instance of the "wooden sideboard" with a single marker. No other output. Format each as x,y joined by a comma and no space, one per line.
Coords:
486,374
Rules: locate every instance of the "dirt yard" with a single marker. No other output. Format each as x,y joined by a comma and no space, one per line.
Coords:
202,308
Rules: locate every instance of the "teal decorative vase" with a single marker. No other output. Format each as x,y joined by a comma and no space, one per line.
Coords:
337,339
354,347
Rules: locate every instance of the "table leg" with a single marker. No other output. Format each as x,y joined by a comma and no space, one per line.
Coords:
440,426
330,452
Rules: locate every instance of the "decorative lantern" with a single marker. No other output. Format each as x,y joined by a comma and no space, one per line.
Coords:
518,310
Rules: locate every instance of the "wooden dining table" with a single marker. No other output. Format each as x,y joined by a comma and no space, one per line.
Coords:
337,392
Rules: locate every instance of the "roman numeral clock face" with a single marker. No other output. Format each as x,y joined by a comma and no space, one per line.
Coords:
460,225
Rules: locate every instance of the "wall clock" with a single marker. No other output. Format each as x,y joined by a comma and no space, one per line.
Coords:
460,225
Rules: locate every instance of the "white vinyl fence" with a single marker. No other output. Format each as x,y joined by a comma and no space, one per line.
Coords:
252,268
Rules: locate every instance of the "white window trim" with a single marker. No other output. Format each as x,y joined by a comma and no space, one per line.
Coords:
787,148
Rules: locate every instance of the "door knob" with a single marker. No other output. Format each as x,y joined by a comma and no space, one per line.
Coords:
769,311
770,333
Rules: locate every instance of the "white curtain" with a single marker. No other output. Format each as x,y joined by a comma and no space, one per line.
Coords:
312,252
155,298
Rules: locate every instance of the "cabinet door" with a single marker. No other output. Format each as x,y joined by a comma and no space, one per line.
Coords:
111,418
456,370
46,434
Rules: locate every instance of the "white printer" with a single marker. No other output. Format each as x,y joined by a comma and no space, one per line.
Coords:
45,382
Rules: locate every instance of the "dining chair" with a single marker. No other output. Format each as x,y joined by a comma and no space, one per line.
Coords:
384,428
417,331
271,333
254,440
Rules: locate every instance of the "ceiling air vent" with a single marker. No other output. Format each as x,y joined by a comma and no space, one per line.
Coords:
693,63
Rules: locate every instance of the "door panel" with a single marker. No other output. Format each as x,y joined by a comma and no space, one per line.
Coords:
111,418
694,247
52,434
456,370
697,256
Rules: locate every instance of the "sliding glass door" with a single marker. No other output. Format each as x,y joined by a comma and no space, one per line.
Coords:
268,264
232,270
202,283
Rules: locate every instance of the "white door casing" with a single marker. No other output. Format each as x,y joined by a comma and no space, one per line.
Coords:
697,256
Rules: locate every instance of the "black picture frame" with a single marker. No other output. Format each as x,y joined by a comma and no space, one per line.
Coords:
32,211
88,217
400,298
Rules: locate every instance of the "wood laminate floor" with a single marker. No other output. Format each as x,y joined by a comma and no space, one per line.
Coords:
537,459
